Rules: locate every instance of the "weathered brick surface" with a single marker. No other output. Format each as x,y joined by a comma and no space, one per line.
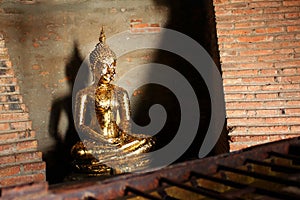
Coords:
259,50
27,191
20,162
137,26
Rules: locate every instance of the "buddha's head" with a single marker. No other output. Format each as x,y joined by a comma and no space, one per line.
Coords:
103,61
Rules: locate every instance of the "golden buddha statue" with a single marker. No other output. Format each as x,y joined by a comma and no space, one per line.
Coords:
102,117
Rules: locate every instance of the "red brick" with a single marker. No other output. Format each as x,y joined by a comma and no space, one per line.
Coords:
22,157
287,136
250,96
297,50
136,21
248,138
247,11
286,22
153,29
235,88
295,128
8,80
270,30
7,159
293,28
266,112
233,32
258,80
26,145
240,73
256,52
268,72
251,140
8,136
264,4
236,147
291,3
16,180
277,44
231,6
251,113
221,1
247,144
267,96
281,9
248,121
140,25
289,79
248,65
292,111
38,177
292,15
23,125
245,105
268,129
289,94
255,39
9,171
237,129
295,63
34,166
262,17
275,57
288,71
254,88
227,26
283,120
283,51
26,134
234,18
270,104
4,126
234,96
280,87
249,24
224,12
7,148
297,55
34,189
134,30
233,59
14,116
226,39
231,113
232,81
285,37
293,103
22,179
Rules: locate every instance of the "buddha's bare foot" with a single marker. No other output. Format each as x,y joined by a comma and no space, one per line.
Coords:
85,162
93,168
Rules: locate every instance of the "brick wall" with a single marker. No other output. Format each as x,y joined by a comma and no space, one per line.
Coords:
259,43
20,162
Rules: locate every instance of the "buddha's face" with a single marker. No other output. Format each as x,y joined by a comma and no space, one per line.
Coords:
109,70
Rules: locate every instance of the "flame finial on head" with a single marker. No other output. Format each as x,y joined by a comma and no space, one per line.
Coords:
102,36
